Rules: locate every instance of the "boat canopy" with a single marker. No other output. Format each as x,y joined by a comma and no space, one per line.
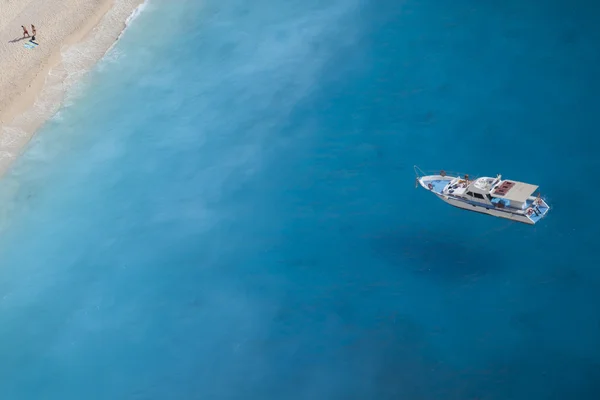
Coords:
514,191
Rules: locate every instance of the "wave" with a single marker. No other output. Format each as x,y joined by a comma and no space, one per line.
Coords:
132,17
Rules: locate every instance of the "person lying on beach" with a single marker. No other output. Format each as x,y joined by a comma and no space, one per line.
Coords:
25,33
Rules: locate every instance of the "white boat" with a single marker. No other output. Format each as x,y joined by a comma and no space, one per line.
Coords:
493,196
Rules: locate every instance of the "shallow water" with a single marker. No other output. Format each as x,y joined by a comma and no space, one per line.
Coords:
232,213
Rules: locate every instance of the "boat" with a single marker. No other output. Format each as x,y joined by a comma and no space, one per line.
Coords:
498,197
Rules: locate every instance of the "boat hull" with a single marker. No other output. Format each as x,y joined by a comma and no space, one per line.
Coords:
485,210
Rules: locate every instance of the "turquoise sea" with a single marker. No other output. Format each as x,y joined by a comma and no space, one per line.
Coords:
228,209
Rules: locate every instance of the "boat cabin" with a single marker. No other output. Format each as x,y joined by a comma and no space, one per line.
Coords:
512,194
493,191
479,190
498,193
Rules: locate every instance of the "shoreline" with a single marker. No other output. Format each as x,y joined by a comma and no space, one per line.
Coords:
43,89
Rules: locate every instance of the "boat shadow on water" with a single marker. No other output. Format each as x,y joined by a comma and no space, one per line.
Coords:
437,255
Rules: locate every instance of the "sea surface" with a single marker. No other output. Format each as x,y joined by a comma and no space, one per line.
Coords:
226,208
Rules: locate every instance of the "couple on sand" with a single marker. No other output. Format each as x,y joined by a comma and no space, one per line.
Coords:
26,33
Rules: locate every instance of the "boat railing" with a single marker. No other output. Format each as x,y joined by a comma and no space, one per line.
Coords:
420,173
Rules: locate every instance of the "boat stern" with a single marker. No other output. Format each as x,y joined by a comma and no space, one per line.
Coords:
537,210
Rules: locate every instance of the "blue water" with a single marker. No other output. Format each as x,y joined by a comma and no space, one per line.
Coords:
229,212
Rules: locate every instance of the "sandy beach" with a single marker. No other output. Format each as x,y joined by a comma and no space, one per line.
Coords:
34,79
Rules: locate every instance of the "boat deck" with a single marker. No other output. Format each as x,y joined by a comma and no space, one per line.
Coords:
543,209
439,184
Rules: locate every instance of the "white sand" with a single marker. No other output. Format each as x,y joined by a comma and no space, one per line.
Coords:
26,100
